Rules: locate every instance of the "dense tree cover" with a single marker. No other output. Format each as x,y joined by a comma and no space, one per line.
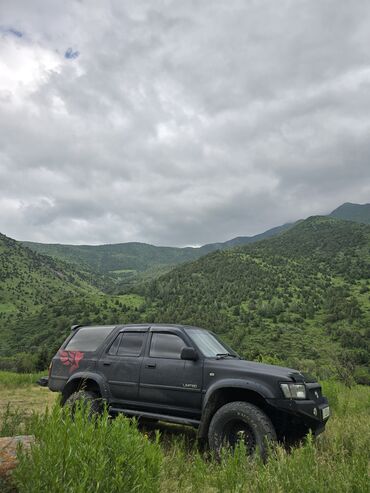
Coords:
121,256
33,339
29,280
300,298
124,264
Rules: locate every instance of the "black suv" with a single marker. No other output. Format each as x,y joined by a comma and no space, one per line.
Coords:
186,375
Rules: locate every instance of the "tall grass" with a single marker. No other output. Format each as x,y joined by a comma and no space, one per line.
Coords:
337,461
77,454
15,421
112,455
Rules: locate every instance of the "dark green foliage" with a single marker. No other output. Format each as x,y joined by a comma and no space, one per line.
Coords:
28,283
300,298
43,332
123,264
29,280
117,257
295,297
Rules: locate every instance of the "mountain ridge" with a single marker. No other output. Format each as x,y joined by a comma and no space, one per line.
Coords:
130,262
353,212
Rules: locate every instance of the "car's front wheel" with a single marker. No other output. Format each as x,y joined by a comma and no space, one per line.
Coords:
241,421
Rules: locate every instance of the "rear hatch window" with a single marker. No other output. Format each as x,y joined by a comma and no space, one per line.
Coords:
89,338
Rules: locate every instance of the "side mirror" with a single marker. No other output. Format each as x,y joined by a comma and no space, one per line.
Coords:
189,353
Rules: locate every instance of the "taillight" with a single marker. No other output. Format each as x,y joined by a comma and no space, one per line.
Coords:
50,366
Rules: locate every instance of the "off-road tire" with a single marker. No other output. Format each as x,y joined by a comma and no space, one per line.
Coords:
86,397
257,430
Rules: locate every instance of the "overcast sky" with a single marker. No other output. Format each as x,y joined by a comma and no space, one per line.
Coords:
180,122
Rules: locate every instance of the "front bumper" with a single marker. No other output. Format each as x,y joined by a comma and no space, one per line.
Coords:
308,412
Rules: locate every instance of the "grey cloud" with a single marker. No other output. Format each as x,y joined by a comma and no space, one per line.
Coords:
183,122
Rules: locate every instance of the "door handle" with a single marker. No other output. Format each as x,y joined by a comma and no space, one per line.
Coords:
150,365
106,363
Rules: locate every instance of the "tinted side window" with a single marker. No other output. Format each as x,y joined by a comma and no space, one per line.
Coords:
114,346
88,338
166,346
131,343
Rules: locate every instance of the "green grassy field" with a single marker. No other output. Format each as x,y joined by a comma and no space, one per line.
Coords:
114,456
19,392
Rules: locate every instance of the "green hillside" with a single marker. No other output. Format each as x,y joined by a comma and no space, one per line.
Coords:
127,263
245,240
302,297
117,257
29,282
359,213
41,297
124,264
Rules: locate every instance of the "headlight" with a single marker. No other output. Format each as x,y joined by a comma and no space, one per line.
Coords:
293,390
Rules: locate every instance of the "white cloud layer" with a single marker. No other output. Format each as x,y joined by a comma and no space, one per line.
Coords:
180,122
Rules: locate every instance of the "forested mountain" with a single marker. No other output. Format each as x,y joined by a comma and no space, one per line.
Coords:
29,280
116,257
359,213
126,263
300,297
40,297
245,240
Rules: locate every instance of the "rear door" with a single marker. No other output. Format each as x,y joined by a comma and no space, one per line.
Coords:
166,380
121,364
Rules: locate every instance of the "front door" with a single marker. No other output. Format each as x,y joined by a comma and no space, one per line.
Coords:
167,382
121,364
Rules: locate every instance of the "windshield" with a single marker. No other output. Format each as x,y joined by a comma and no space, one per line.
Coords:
209,344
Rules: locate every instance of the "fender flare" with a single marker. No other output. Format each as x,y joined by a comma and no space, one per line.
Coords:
98,379
262,390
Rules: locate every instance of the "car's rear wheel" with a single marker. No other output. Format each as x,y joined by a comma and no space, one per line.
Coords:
87,398
241,421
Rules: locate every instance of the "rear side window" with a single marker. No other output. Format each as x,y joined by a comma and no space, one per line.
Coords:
128,344
89,338
166,346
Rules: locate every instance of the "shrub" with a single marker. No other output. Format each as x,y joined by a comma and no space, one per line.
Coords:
76,454
15,421
362,376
